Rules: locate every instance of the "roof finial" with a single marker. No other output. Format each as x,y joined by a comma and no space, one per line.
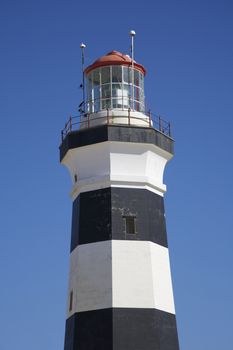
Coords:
132,33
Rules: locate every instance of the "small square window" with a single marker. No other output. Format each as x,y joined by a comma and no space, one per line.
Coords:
130,226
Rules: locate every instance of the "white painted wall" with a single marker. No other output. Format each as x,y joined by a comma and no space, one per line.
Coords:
133,274
121,164
91,277
141,276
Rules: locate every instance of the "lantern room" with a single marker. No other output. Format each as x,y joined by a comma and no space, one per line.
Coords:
115,87
112,83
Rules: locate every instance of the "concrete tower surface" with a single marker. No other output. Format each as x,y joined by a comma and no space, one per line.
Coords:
120,290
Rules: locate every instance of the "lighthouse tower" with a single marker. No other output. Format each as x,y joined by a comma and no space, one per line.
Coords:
120,290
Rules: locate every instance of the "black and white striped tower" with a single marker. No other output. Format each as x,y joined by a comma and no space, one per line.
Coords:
120,290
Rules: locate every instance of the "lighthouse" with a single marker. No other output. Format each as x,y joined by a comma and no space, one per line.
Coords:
120,294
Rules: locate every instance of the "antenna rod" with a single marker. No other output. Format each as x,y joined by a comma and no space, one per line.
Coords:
132,34
82,47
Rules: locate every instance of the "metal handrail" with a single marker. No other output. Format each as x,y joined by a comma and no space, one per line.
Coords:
154,121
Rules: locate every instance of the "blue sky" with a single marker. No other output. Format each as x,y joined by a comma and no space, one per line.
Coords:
187,49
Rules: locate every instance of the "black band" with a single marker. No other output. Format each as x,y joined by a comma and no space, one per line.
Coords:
102,215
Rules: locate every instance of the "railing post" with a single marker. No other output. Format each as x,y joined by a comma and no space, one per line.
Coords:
160,124
128,116
169,129
149,118
107,115
88,120
80,120
70,123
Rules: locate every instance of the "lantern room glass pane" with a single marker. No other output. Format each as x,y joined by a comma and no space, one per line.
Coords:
96,105
106,103
141,95
126,75
141,80
126,96
96,92
117,74
126,90
116,90
136,93
96,77
106,90
136,77
89,80
105,75
115,103
89,87
117,98
136,106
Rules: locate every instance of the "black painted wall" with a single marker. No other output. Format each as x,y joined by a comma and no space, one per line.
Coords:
121,133
91,217
148,209
99,216
122,329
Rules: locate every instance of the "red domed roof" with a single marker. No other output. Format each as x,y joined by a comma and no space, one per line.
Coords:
114,58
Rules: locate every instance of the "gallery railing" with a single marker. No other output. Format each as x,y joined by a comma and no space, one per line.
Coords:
88,120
